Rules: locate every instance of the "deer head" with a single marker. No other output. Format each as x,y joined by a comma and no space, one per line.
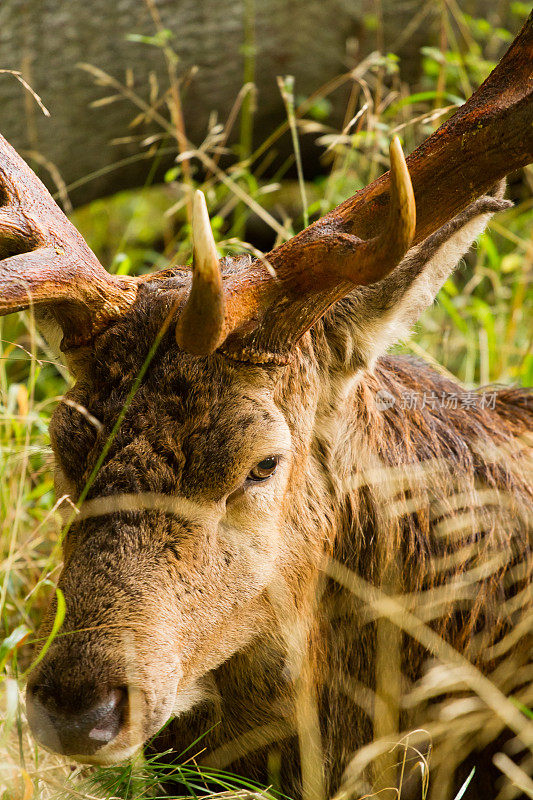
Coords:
189,432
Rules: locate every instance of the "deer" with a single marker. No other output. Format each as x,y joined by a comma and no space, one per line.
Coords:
244,471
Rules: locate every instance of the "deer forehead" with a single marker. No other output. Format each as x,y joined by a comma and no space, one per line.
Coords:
194,431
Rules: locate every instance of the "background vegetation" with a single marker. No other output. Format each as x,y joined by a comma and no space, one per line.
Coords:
479,330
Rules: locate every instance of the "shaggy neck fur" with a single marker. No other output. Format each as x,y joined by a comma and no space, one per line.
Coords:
430,504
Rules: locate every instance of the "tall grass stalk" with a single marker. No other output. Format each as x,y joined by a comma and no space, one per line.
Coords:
286,87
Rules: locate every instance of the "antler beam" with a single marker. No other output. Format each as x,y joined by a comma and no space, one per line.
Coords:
44,261
488,137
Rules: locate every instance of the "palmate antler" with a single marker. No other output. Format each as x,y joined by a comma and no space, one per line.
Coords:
248,313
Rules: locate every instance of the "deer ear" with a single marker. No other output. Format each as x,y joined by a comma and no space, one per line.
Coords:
366,323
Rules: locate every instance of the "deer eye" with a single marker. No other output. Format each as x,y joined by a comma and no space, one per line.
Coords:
264,469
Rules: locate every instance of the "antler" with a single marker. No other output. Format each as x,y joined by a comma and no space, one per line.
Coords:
208,314
490,135
313,272
46,262
246,312
201,323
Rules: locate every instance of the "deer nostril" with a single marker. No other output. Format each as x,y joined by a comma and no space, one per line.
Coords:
70,728
109,717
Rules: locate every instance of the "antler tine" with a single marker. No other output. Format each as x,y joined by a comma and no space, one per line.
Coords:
401,224
46,263
200,327
373,259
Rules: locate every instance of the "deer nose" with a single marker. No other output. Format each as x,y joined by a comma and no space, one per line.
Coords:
75,730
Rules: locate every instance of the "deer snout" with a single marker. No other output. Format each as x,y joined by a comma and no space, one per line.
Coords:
78,728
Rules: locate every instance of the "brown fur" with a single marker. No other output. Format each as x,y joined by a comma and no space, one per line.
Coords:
223,596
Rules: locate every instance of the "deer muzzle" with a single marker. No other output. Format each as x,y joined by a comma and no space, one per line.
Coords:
80,730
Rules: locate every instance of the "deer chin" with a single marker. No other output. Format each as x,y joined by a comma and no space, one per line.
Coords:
108,755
